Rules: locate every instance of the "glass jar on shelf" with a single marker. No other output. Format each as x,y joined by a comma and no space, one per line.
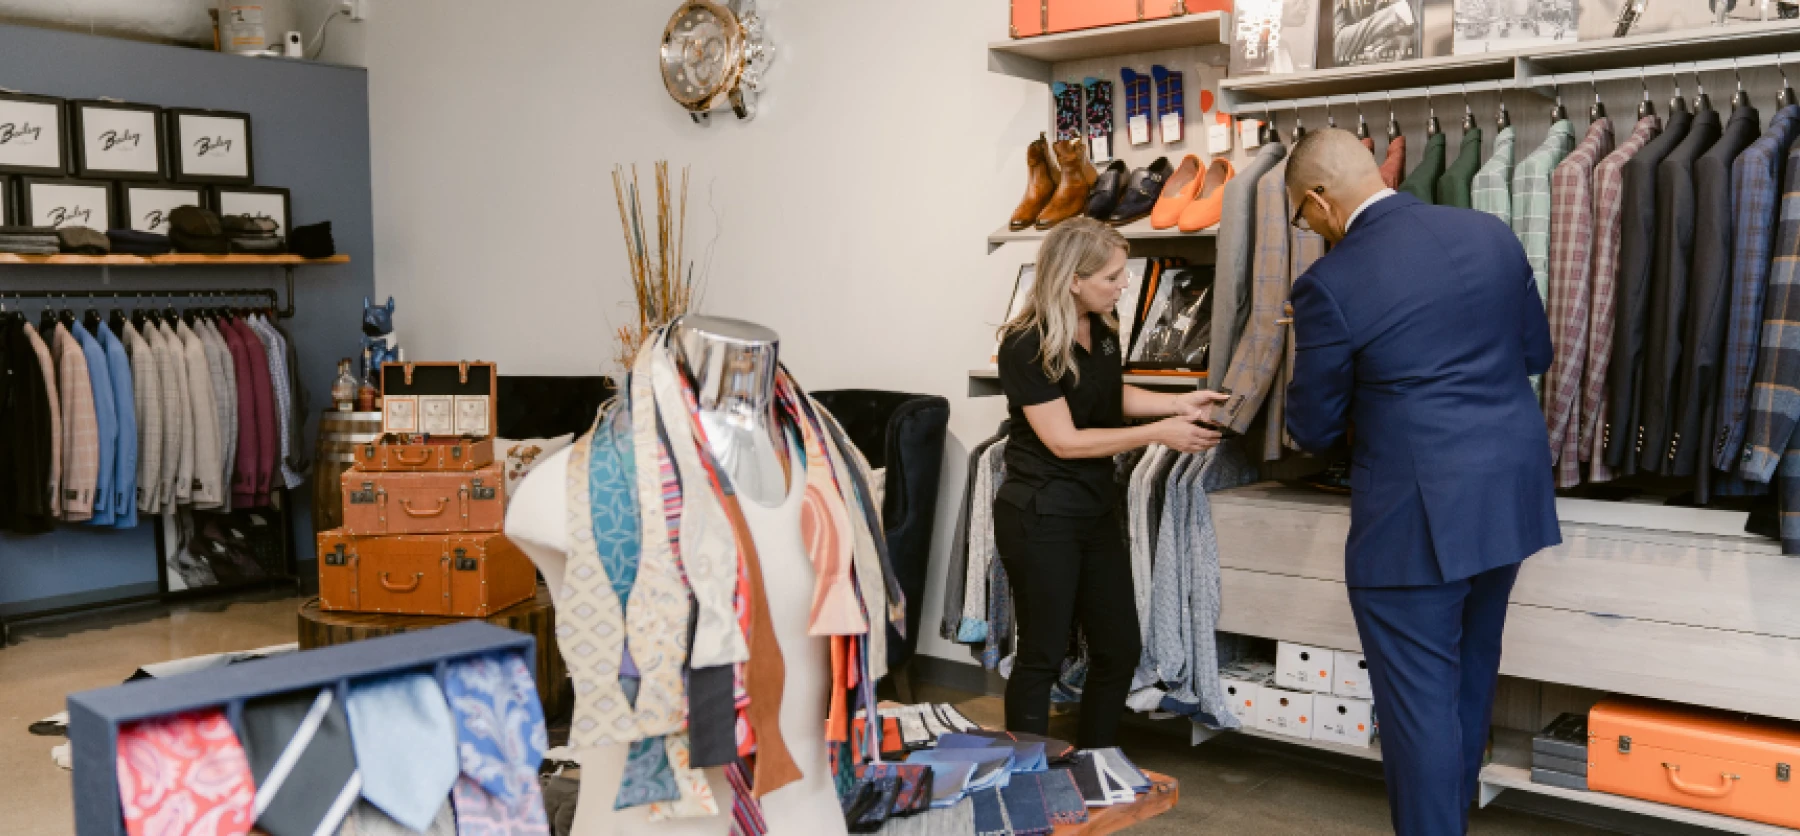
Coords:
343,390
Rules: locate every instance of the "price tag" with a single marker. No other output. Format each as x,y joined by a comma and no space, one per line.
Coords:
1247,132
1218,138
1139,127
1171,127
1102,148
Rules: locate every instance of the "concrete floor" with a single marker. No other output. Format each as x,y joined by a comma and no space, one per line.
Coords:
1227,788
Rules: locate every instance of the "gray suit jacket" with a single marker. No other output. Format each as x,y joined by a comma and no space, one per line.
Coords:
1232,267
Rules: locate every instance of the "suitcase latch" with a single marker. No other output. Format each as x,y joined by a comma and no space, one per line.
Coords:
1784,773
456,451
483,492
1624,744
335,557
464,563
366,496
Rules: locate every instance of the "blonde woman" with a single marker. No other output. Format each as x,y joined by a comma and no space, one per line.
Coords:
1056,519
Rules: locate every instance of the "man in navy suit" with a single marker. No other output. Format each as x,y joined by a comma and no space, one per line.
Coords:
1421,328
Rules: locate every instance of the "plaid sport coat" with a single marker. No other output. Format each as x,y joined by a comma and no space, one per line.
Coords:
1491,190
1609,189
1570,294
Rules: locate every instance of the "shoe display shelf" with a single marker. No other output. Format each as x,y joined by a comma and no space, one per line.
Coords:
1139,231
1033,57
985,382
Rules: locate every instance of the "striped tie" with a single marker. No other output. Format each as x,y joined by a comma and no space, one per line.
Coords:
305,769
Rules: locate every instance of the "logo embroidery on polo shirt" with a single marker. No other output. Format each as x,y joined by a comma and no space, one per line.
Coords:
1108,347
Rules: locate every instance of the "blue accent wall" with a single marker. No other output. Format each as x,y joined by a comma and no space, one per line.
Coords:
310,134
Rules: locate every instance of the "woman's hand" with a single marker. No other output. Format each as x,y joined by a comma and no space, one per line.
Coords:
1184,436
1198,405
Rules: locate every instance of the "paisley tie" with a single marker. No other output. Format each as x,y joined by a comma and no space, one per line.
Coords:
185,774
499,724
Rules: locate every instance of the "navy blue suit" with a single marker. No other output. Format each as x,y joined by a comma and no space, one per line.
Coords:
1421,328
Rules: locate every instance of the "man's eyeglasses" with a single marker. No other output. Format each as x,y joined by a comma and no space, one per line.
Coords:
1298,221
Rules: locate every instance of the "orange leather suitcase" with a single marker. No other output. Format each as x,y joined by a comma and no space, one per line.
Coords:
423,503
1044,17
1699,758
394,455
471,575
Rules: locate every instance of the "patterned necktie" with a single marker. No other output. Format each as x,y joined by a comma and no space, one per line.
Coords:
299,749
405,744
500,724
481,814
184,774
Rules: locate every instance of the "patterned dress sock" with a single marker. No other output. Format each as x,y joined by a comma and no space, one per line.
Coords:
1099,118
1169,103
1068,110
1138,106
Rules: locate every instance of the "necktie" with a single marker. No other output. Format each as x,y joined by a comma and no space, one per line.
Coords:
366,819
481,814
184,774
500,724
299,749
405,743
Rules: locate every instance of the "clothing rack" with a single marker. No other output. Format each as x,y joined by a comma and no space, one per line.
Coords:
268,297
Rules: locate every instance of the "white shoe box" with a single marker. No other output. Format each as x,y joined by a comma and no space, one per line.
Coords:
1286,713
1242,697
1351,676
1350,722
1303,668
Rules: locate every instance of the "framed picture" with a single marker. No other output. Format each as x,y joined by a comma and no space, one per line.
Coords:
203,551
59,202
1126,309
117,140
146,208
6,200
1176,332
31,135
1272,37
255,201
472,415
437,414
209,146
1021,294
1375,31
400,414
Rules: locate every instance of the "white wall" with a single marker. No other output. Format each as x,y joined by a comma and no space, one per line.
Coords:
850,215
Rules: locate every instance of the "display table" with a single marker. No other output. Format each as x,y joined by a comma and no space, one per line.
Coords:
535,618
1164,792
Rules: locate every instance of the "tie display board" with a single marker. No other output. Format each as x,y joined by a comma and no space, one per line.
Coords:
95,717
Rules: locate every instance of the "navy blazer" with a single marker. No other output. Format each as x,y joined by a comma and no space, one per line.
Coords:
1421,327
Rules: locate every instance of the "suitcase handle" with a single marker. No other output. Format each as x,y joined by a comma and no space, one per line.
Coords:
393,587
424,456
443,503
1674,772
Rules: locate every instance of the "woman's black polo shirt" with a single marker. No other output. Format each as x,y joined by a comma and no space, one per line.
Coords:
1036,480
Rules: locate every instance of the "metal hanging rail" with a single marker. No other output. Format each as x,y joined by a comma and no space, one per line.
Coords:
269,293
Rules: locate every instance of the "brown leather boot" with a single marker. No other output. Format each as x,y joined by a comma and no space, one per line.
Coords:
1040,183
1078,176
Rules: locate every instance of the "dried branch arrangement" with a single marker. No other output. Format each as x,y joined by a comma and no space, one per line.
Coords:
662,280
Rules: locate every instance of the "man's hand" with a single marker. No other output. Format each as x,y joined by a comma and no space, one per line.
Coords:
1198,405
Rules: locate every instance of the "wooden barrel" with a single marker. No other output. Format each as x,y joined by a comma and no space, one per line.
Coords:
339,434
535,617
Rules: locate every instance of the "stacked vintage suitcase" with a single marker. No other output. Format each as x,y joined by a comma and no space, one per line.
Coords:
424,505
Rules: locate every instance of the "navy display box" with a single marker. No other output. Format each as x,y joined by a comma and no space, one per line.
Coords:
95,716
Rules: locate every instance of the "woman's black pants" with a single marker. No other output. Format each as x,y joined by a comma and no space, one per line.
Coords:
1064,571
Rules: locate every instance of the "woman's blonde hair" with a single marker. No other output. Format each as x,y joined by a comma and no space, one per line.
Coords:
1076,247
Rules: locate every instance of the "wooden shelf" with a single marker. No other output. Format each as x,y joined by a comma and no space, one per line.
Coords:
1202,734
1205,29
985,383
1139,231
1513,68
170,260
1497,778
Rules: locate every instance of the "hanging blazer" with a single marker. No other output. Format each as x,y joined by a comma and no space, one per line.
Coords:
1263,346
224,385
1422,327
176,432
81,434
1709,285
1631,301
47,369
1668,292
125,454
1232,269
1453,189
183,485
25,434
205,415
1422,182
1393,164
146,393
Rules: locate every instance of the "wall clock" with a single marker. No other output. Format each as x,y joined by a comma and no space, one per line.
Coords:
715,55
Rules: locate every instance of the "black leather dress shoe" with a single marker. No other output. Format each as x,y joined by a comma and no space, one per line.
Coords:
1105,196
1141,192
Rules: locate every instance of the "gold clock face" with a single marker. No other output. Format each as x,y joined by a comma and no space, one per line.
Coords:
702,53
